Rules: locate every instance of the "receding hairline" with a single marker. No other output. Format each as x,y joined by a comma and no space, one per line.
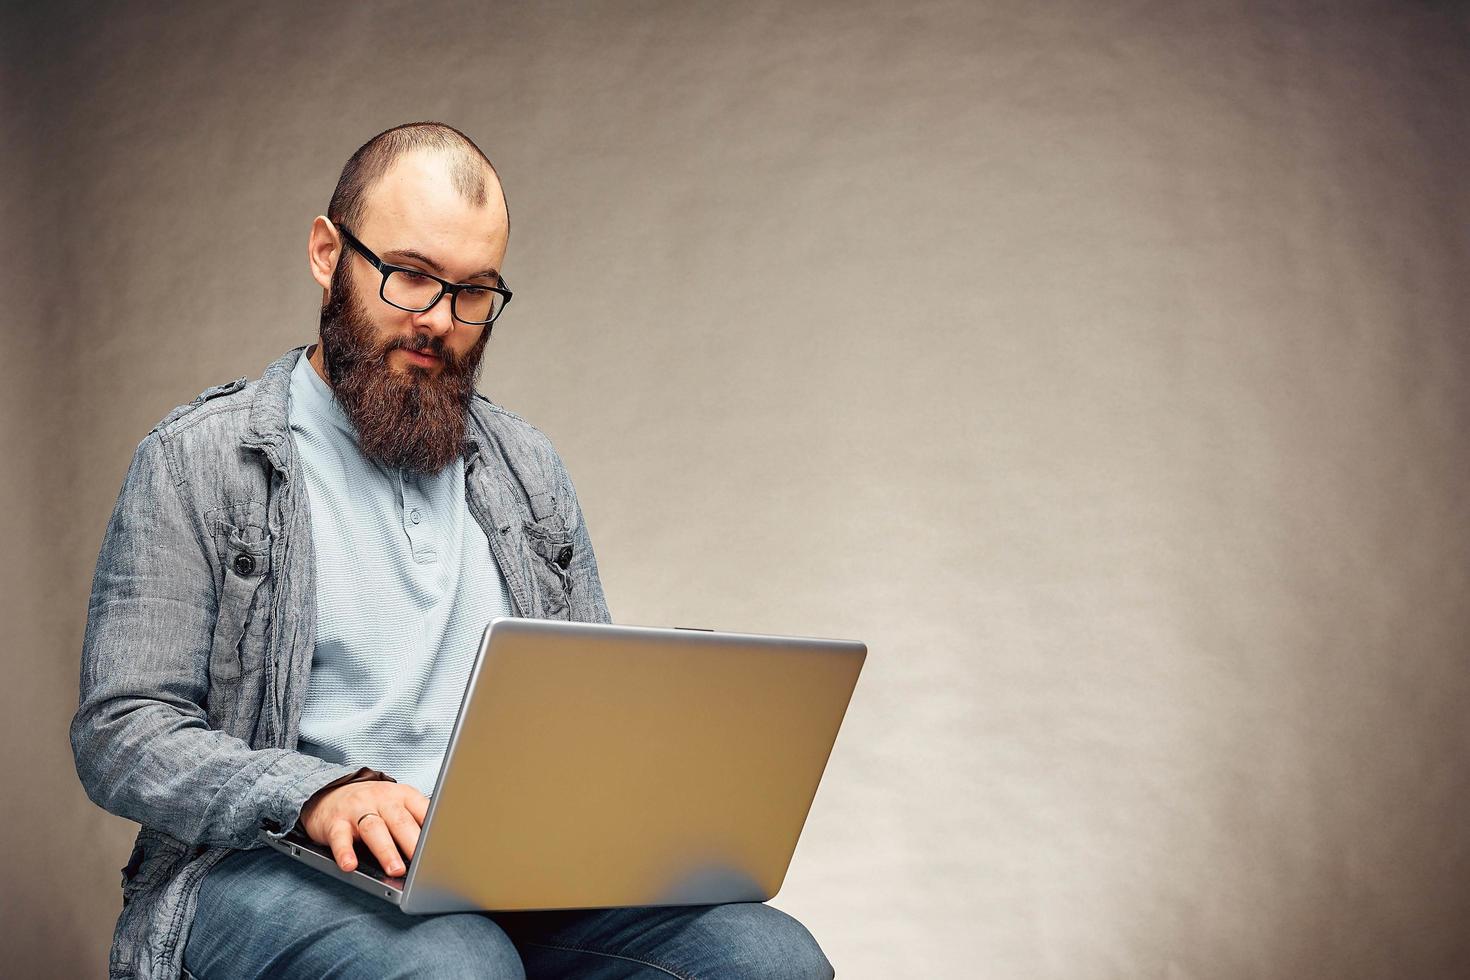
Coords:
468,168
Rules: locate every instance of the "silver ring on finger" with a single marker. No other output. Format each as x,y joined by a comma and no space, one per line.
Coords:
370,813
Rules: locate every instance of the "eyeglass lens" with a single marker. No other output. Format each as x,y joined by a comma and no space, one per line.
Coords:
415,292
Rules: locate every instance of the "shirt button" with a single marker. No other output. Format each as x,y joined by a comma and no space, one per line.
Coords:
244,564
413,515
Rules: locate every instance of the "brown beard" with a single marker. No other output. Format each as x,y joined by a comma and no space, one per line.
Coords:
414,421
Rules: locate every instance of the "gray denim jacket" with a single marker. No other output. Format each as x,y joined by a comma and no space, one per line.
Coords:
202,623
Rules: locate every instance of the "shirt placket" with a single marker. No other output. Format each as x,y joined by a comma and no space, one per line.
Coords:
417,518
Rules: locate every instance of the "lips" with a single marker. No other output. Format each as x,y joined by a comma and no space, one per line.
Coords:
421,356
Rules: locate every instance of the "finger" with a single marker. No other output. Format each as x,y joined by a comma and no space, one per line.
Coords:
339,838
375,835
403,826
418,805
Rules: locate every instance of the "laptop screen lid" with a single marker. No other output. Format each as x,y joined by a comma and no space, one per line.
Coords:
597,765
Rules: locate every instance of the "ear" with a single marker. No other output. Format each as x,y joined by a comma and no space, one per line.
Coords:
322,249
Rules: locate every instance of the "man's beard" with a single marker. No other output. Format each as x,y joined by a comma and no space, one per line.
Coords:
413,421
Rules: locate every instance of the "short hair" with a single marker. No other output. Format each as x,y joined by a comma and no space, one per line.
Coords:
467,165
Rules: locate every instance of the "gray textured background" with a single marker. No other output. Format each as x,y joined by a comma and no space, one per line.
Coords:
1103,366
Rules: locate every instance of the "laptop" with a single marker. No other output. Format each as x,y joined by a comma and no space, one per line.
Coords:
599,766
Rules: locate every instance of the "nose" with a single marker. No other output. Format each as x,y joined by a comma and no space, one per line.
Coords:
437,319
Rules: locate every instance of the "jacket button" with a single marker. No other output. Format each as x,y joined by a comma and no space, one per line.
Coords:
244,564
564,556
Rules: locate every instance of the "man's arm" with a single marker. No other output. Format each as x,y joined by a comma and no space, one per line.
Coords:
142,745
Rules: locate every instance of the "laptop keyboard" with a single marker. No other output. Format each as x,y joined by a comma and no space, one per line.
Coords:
366,863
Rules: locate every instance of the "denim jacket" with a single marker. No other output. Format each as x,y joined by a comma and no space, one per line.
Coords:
202,623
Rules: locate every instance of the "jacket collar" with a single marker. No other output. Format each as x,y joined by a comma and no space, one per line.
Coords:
269,429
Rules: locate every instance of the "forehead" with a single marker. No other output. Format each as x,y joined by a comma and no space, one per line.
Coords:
417,206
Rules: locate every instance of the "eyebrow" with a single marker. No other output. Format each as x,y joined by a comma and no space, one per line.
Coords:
417,256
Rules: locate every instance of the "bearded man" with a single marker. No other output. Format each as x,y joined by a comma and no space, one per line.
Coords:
287,603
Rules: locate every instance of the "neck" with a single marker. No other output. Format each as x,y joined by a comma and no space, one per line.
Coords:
318,361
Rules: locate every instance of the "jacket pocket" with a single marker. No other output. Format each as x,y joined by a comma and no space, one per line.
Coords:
551,551
237,651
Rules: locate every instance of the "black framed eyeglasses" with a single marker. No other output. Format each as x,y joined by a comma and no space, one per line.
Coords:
415,291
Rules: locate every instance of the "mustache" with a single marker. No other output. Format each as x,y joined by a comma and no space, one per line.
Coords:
451,363
419,344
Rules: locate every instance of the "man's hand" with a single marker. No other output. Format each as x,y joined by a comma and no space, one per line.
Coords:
385,816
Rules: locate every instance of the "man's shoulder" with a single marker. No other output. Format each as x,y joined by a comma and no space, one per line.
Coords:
205,441
225,410
502,421
200,444
227,405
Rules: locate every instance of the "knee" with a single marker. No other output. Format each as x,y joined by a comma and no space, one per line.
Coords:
767,943
457,945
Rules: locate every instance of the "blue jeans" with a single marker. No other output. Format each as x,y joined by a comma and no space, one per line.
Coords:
262,914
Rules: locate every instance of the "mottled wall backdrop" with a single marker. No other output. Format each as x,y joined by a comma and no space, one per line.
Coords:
1102,365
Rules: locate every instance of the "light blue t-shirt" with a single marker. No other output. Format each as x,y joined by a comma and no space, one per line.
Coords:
406,583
